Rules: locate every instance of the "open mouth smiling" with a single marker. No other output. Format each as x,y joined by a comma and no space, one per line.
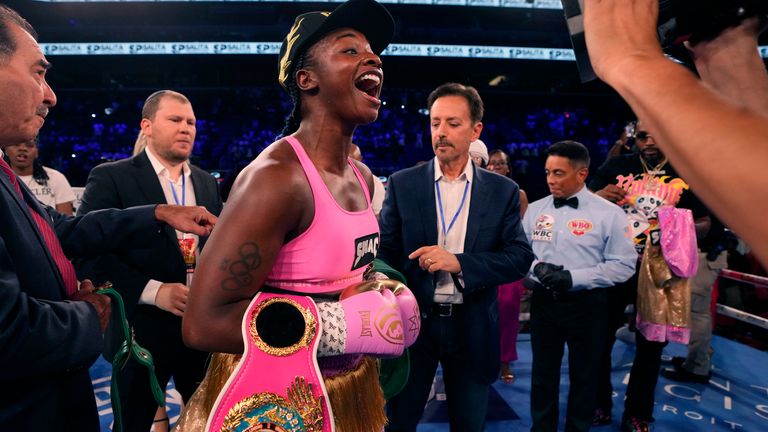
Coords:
370,84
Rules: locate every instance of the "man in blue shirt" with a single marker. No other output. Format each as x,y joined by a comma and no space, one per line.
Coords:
582,244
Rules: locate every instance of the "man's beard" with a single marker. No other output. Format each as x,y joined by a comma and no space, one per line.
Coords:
653,159
175,156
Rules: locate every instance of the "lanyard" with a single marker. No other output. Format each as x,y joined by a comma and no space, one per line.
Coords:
183,190
455,216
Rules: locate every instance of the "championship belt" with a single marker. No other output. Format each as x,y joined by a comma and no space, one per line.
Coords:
277,385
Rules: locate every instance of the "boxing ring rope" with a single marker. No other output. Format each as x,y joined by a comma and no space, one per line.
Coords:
758,282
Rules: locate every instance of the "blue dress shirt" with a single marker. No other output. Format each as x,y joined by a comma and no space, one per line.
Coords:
592,242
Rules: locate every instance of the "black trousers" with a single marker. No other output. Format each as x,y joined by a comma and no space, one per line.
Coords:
579,320
643,378
172,359
441,340
618,298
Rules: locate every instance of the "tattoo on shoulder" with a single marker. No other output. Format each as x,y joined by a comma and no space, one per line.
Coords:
240,269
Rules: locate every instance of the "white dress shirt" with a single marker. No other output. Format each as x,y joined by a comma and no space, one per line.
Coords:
185,195
451,194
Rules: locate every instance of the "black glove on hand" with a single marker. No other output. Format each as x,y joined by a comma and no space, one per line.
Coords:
542,269
559,281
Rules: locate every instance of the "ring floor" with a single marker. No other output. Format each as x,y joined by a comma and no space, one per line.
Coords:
736,398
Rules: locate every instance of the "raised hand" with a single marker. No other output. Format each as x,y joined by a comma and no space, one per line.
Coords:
434,258
620,34
195,220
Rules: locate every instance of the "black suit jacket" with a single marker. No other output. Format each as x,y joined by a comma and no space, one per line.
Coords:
127,183
496,251
48,343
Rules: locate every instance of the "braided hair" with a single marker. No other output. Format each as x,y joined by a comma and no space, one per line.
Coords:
39,175
294,119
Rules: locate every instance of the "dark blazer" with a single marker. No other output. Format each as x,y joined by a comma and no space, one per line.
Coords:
127,183
47,343
496,250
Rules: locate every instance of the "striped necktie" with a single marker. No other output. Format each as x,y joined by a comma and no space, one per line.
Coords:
66,269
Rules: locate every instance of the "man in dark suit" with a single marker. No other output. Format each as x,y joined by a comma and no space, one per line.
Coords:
454,231
155,281
51,331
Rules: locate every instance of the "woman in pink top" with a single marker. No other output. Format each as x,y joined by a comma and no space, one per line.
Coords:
299,217
509,293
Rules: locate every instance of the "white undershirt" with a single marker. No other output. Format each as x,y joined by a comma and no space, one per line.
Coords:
451,192
163,176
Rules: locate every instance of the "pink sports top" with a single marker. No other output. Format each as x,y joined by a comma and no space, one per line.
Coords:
336,248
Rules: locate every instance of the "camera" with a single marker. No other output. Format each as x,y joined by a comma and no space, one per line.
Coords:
679,21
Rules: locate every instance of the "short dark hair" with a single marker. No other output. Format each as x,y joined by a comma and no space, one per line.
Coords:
502,153
507,159
152,103
574,151
7,42
469,93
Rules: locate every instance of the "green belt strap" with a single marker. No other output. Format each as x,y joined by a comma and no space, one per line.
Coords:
393,373
129,348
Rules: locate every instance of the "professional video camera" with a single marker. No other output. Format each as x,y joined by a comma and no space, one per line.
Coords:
679,20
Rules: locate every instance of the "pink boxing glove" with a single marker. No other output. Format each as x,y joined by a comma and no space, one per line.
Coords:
373,323
409,313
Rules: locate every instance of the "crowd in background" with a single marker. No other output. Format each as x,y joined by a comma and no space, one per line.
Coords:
234,125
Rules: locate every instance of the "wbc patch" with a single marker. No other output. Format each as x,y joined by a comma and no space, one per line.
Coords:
543,230
579,227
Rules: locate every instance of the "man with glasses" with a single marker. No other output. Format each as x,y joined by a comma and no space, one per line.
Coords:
498,162
640,183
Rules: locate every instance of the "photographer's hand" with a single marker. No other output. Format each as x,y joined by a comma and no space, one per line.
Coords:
676,106
621,36
731,65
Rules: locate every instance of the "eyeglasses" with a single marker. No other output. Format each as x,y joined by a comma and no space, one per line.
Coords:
643,136
497,163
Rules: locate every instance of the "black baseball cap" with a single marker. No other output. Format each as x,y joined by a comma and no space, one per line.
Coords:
366,16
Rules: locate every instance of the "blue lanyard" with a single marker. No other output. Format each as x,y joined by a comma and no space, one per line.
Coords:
183,189
455,216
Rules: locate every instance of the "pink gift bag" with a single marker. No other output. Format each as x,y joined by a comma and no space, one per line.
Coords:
678,241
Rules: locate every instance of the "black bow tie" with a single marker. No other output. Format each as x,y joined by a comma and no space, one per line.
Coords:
573,202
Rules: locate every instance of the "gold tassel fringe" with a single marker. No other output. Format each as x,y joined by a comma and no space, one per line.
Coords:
357,399
194,417
355,396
